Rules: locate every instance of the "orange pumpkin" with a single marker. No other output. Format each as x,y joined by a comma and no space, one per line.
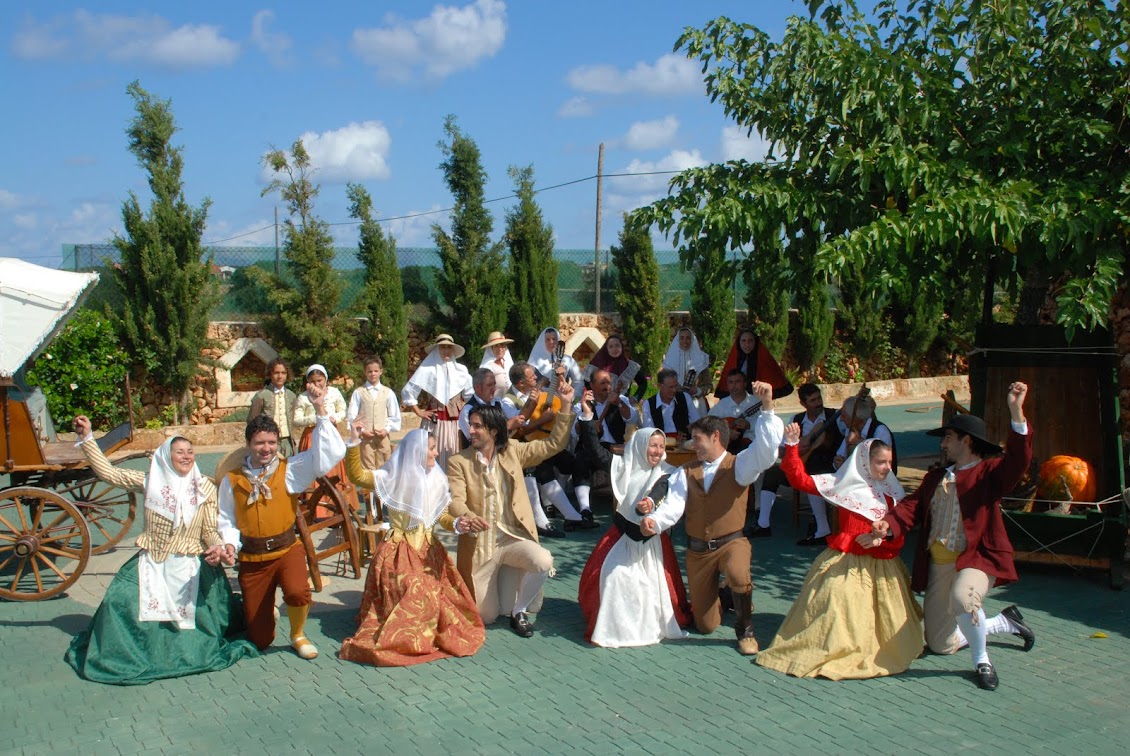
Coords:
1064,478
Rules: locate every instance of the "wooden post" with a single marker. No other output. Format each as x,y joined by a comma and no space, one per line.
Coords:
599,191
276,240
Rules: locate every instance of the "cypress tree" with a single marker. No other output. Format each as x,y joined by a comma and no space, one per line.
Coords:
767,298
164,275
382,299
712,301
816,324
638,297
533,270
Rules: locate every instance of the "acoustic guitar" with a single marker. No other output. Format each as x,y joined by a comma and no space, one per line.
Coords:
547,400
622,383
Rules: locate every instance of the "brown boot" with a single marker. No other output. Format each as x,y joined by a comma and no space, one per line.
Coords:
743,623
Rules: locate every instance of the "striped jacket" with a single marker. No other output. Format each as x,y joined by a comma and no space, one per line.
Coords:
158,536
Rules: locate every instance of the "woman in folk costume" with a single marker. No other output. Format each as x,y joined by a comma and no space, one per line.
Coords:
631,590
447,385
613,357
855,616
683,355
169,611
304,419
752,357
541,358
416,607
496,356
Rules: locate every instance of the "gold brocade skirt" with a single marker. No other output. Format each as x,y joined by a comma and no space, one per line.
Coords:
855,618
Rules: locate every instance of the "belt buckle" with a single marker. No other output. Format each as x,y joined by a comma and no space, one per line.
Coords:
269,544
712,544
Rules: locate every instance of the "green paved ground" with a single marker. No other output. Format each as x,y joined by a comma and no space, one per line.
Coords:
554,693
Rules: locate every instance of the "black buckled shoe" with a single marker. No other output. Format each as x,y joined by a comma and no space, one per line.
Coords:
987,677
587,520
521,625
571,525
550,532
813,541
1013,615
756,531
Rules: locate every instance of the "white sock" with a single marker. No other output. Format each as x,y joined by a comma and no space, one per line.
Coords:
528,590
555,495
973,627
540,520
767,500
582,492
820,512
999,625
962,641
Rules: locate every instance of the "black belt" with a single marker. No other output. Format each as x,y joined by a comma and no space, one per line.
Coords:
629,528
694,544
256,546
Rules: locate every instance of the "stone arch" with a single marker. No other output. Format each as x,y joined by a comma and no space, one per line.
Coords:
226,397
587,336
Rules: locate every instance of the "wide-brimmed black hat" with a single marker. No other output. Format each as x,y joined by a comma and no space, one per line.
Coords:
970,425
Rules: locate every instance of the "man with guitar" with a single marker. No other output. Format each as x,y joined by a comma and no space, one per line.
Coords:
820,436
857,423
612,412
671,410
736,408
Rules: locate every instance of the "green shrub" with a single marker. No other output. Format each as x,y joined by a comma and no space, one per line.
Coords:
83,372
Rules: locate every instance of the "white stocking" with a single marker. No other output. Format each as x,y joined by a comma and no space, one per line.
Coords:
820,512
582,492
973,627
528,590
553,493
999,625
768,498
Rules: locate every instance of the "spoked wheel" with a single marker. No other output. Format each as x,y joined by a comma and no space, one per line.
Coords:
108,510
44,544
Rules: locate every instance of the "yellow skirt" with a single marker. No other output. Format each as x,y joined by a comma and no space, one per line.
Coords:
854,618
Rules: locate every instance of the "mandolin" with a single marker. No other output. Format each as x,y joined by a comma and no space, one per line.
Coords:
547,400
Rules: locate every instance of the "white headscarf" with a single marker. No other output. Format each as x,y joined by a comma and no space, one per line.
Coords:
443,379
632,476
169,494
855,489
541,358
681,361
406,485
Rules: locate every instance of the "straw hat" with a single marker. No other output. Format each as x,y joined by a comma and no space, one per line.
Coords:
496,339
445,340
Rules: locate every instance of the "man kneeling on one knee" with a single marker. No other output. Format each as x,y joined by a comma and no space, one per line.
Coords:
714,489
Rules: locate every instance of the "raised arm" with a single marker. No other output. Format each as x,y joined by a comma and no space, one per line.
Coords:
535,452
327,448
130,480
357,473
768,432
791,464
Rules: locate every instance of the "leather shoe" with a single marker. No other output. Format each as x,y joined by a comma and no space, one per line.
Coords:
522,627
987,677
551,511
756,531
1013,615
813,541
587,521
571,525
550,532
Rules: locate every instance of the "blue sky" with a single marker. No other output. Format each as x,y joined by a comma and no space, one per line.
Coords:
367,85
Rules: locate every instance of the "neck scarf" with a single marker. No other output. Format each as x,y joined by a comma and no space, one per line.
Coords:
632,476
855,489
259,480
406,485
169,494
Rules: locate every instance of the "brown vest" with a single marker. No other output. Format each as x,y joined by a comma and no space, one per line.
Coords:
266,517
720,512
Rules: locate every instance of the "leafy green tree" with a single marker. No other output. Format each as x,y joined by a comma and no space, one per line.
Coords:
960,133
768,294
862,310
303,322
637,296
382,299
533,269
165,280
474,280
712,303
817,324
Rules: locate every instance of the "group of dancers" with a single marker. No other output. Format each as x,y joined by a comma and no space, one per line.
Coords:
170,610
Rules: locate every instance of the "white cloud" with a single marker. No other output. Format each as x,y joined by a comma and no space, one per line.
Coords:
356,152
125,39
671,74
676,160
9,200
737,146
40,237
575,107
449,40
274,45
416,231
651,135
26,221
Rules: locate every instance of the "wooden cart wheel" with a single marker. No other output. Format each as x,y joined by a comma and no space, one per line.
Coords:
109,511
44,544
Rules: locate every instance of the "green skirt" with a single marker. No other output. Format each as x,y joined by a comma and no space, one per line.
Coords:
118,649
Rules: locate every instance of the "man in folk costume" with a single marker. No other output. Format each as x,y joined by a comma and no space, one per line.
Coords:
714,490
864,426
375,405
496,356
276,400
751,357
683,355
258,507
483,386
612,412
963,549
448,385
504,566
672,410
731,407
815,418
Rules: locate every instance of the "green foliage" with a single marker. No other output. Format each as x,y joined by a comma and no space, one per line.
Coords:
924,135
474,281
382,299
712,303
637,298
861,313
767,297
817,325
533,270
165,281
83,372
165,417
303,315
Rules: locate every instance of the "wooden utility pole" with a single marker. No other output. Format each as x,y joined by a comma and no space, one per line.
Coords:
277,240
599,190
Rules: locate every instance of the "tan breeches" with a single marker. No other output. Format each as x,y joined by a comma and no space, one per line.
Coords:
950,592
703,569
